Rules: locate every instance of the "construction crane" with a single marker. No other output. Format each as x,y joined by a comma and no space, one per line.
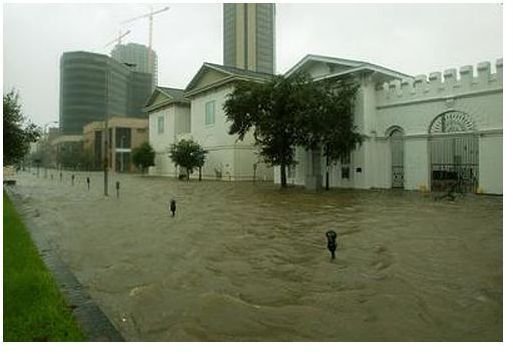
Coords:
118,38
150,16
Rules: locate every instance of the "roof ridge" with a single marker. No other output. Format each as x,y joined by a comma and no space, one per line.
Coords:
172,88
237,69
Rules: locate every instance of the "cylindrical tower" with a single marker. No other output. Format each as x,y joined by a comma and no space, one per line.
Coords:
95,86
83,88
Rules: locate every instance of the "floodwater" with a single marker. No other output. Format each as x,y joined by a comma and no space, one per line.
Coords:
248,262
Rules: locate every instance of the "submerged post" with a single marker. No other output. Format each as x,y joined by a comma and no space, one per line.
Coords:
117,189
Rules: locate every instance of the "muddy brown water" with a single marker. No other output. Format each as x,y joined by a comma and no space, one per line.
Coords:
248,262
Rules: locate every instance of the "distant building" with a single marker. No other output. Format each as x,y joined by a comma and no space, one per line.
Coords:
66,150
94,86
249,36
170,120
136,56
124,134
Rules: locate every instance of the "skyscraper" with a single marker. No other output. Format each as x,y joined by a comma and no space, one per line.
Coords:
136,55
94,86
249,36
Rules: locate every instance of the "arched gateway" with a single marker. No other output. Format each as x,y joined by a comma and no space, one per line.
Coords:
454,152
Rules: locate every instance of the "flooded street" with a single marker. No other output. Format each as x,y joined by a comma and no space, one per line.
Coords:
245,262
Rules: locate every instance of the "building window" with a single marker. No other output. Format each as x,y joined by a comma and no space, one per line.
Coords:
123,138
160,125
210,113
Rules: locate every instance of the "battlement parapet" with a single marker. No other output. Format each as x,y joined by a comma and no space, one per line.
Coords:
441,85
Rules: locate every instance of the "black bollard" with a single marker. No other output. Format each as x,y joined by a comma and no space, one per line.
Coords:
172,207
88,182
332,242
72,180
60,176
117,189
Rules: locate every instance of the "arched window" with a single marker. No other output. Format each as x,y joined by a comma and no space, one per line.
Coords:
394,131
451,122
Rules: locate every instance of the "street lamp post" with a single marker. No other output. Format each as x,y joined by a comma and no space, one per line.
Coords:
45,139
106,133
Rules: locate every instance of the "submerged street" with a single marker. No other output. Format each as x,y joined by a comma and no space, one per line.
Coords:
248,262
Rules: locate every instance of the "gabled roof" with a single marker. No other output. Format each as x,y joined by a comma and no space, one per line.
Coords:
172,95
228,73
351,67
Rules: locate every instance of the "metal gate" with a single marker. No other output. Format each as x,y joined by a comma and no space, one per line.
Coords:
454,153
397,152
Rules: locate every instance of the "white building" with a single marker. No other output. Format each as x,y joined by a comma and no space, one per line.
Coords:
169,120
420,134
228,158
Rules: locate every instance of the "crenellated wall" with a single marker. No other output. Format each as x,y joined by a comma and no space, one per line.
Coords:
413,105
438,85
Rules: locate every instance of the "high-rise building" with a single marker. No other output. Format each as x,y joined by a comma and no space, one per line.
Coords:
249,36
94,86
136,56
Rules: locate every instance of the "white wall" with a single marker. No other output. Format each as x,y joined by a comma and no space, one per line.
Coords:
176,122
161,141
233,159
483,105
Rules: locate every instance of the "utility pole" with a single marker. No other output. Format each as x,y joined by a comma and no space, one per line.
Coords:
105,138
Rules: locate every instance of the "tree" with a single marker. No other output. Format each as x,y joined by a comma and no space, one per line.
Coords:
270,110
286,112
73,155
143,156
327,119
189,155
18,133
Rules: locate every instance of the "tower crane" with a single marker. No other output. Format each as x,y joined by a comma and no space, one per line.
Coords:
118,38
150,17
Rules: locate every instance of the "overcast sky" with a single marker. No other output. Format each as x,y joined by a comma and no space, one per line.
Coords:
414,39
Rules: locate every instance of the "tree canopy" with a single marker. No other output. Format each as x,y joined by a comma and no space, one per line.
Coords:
188,154
286,112
18,133
270,110
143,156
326,119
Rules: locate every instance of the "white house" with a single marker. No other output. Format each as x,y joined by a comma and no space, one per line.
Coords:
169,119
421,133
228,158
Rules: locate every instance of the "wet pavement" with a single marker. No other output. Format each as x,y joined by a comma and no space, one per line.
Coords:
248,262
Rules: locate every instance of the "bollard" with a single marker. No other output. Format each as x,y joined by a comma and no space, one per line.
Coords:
88,182
172,207
72,180
60,176
117,189
332,242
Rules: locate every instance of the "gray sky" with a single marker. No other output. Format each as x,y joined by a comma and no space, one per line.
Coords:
414,39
